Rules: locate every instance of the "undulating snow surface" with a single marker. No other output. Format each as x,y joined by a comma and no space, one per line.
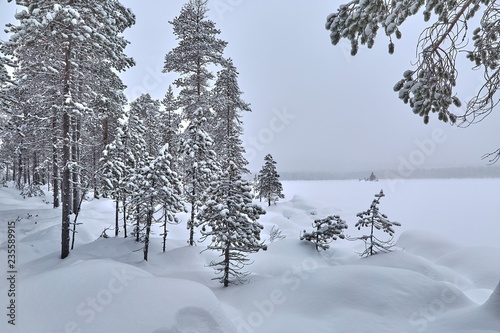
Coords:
439,277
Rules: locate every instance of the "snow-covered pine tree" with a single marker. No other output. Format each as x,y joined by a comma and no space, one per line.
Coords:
107,102
148,110
230,220
268,184
159,189
200,166
327,230
198,48
5,83
121,159
67,38
373,219
171,122
228,106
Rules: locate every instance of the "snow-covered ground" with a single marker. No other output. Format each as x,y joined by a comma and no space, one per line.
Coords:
438,279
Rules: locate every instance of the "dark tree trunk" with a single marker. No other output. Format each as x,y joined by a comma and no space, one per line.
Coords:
36,174
164,229
27,176
75,158
149,220
226,266
124,217
66,156
55,166
20,170
66,187
117,211
137,226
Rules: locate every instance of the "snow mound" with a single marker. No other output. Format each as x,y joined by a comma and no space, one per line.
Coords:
426,244
410,262
479,264
98,295
311,298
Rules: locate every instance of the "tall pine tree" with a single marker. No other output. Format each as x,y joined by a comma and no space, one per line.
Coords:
198,48
69,40
228,127
200,165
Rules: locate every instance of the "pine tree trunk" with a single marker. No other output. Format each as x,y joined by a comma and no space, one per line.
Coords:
20,170
117,210
75,158
371,238
36,175
66,155
124,217
66,188
137,226
149,218
193,214
164,230
226,266
55,166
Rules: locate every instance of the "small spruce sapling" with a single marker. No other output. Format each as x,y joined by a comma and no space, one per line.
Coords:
373,219
327,230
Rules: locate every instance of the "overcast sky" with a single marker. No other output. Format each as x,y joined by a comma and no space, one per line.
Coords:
314,106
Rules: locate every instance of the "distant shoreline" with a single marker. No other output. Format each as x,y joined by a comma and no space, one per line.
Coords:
437,173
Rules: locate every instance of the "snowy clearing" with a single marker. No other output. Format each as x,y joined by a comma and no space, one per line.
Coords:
438,278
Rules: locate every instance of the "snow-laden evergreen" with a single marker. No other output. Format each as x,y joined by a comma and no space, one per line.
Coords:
121,159
200,166
5,84
228,127
268,185
61,48
170,122
198,48
159,190
375,220
148,110
229,220
326,231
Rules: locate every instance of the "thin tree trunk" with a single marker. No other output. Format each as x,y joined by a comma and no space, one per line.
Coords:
117,211
124,217
73,234
371,239
137,226
226,266
27,176
75,157
149,217
66,156
20,170
36,175
55,167
164,229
